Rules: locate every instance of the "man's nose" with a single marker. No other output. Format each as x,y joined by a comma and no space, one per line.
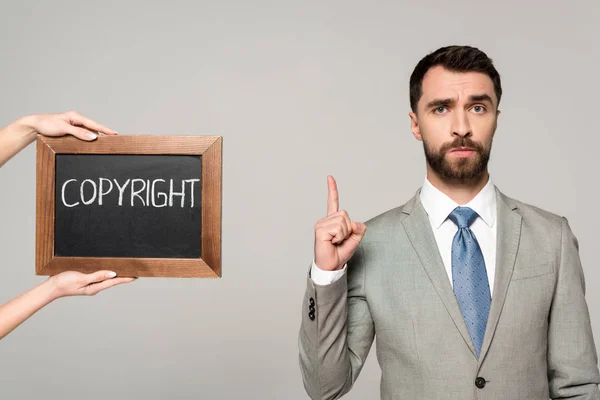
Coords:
460,124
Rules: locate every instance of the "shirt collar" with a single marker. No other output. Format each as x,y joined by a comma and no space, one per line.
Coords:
438,205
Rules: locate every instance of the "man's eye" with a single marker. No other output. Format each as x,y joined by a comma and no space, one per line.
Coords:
479,109
440,110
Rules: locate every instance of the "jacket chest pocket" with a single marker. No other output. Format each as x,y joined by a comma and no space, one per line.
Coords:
532,272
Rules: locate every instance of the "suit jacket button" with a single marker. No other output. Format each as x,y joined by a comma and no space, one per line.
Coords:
480,382
311,315
311,301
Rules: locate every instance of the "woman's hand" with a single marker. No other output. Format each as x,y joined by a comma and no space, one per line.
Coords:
71,283
68,123
20,133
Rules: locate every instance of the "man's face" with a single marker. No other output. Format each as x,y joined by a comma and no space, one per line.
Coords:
456,119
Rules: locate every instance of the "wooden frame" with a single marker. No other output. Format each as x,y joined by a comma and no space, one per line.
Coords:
209,147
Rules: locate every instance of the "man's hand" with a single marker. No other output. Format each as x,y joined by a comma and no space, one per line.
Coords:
71,283
336,236
68,123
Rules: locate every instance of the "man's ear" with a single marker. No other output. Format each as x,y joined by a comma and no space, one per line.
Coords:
496,121
414,126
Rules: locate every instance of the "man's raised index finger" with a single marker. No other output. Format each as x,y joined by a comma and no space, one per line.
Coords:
332,196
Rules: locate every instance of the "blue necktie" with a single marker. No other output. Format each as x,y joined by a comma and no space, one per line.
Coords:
469,276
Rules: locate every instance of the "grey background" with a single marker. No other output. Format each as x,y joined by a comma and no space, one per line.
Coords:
298,90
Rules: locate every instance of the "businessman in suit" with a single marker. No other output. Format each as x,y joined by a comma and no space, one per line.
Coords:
471,294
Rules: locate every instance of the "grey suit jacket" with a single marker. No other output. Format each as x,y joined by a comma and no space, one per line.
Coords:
538,342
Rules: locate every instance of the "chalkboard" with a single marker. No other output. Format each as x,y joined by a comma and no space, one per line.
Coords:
139,205
121,205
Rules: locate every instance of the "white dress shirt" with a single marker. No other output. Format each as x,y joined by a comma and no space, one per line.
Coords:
438,206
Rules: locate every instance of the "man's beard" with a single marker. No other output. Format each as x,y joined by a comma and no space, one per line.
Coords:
461,169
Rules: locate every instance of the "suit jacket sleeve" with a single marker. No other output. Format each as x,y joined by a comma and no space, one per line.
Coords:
336,333
572,359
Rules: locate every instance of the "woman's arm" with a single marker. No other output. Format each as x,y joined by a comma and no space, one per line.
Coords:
70,283
20,133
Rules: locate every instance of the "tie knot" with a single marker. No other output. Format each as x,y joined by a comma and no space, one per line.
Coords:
463,217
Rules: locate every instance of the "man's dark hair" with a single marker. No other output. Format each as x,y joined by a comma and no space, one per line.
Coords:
456,59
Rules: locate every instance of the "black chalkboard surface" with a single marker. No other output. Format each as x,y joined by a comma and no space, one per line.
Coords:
128,205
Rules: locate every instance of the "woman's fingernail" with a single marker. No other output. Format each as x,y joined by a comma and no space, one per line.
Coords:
92,136
111,274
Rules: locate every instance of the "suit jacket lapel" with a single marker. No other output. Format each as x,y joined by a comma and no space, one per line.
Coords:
418,229
507,243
